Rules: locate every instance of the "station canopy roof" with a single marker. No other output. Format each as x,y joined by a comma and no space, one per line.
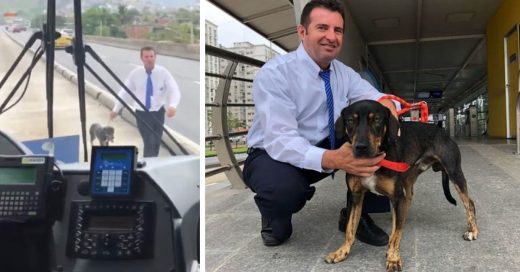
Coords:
420,46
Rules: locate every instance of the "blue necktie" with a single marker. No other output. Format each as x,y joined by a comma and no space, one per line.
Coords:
149,91
325,75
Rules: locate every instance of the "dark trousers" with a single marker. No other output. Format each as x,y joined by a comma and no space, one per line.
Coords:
151,136
283,189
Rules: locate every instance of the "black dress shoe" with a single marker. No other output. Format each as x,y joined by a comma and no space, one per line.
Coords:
267,233
367,231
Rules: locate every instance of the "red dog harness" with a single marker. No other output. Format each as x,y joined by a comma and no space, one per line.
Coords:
405,106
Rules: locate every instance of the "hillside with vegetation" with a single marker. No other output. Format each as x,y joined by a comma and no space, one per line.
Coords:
156,23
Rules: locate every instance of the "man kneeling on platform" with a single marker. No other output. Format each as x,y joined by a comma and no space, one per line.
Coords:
298,97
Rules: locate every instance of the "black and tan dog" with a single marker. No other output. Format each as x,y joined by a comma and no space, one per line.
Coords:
372,129
105,135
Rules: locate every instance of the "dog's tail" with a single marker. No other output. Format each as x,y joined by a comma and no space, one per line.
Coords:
445,183
446,188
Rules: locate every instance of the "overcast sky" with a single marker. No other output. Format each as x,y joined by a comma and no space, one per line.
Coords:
231,30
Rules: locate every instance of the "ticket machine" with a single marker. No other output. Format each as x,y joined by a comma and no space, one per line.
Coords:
113,214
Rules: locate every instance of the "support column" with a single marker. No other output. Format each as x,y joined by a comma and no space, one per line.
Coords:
450,122
473,124
298,7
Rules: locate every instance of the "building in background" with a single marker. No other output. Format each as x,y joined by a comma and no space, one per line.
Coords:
211,66
240,92
239,117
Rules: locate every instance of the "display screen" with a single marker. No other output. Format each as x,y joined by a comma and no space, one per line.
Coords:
436,94
104,223
114,156
111,171
17,175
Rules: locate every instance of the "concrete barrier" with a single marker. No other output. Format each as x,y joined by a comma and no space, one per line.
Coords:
163,48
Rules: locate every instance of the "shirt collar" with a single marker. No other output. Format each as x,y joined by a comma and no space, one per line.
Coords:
309,62
151,71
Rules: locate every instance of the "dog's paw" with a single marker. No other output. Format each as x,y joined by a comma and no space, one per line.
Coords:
394,265
336,256
470,235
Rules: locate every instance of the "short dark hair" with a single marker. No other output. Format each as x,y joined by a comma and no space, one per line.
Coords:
147,48
332,5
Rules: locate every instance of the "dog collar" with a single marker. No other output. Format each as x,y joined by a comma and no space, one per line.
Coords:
396,166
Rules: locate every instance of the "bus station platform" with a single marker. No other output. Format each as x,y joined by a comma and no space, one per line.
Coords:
432,237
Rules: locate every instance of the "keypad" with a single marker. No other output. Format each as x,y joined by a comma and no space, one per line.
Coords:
16,203
111,181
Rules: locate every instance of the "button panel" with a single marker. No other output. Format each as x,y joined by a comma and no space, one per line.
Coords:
86,241
19,203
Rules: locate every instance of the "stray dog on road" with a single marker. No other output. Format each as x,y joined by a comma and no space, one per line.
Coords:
103,134
371,129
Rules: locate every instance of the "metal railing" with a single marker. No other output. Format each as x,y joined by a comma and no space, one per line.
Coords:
227,162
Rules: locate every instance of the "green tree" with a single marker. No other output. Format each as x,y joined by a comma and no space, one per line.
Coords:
60,21
233,122
39,20
210,115
98,21
116,31
185,15
146,15
125,15
183,33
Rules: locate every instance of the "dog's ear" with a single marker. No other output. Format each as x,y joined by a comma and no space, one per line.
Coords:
393,128
340,128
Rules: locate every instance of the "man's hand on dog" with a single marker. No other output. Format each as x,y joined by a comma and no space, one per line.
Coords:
343,159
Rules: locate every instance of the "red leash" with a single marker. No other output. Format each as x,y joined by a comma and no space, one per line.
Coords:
405,106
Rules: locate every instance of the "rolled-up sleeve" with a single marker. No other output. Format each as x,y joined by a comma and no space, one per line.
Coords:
360,89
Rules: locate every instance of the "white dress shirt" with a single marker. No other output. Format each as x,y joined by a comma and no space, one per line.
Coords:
291,106
165,89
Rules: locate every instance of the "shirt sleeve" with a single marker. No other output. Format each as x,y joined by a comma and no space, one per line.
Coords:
278,117
360,89
123,94
174,94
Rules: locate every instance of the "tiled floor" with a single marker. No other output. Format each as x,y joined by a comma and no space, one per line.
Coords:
432,239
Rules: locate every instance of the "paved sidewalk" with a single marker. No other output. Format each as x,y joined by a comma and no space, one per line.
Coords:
28,119
432,238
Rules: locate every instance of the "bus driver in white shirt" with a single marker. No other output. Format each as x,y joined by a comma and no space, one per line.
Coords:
155,87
